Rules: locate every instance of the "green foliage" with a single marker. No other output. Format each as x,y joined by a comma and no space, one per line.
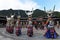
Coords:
39,13
36,13
56,14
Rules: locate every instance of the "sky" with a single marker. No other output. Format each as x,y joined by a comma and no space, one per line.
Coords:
29,4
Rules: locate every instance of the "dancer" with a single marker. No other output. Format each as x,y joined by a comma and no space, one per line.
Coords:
50,33
9,27
8,24
29,27
41,23
12,24
35,24
18,26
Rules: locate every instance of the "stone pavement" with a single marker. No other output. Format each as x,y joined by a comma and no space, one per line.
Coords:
38,35
4,38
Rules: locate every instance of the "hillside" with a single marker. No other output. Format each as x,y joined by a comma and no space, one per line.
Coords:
36,13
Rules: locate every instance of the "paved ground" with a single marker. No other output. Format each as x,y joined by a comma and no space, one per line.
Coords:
38,35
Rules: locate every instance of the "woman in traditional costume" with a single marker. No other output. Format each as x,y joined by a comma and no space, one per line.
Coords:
12,24
50,32
9,26
30,27
35,24
18,26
